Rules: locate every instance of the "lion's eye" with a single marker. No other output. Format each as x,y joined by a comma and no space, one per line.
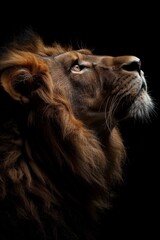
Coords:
76,67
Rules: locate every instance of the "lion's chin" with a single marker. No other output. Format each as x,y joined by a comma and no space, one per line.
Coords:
142,106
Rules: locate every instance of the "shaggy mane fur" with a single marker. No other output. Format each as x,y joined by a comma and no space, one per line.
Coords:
55,173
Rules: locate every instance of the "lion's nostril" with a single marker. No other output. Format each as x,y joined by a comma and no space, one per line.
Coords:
132,66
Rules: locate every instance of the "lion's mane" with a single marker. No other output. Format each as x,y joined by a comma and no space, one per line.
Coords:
54,171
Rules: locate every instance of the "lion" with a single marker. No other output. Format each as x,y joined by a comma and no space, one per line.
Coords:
61,151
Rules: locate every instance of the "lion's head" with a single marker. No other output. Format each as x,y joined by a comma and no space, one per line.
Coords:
60,148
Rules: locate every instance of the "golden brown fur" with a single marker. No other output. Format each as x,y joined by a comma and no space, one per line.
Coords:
60,149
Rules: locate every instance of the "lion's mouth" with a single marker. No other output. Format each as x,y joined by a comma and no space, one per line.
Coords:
143,87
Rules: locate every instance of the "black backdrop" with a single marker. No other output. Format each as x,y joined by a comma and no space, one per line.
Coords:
113,29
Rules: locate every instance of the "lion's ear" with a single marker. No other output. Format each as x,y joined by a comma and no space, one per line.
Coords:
22,73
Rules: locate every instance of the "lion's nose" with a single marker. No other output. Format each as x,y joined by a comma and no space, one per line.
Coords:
132,66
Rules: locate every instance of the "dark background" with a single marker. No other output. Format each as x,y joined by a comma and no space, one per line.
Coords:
111,29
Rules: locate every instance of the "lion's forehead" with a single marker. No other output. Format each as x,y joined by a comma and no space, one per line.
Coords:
82,55
86,56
